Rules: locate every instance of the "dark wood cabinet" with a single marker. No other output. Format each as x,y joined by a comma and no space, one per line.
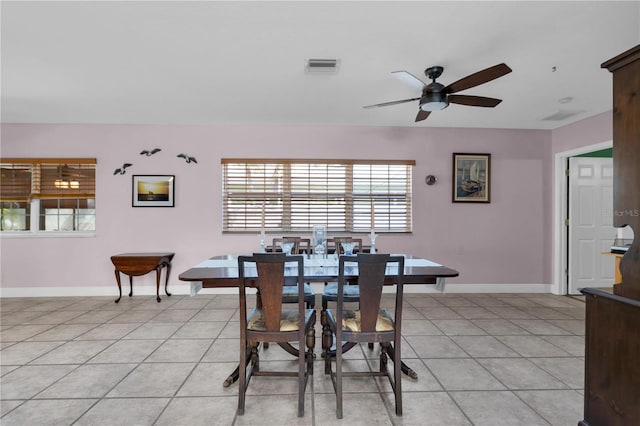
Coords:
626,162
612,335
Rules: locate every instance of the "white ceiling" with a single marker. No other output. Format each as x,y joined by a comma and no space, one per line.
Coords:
244,62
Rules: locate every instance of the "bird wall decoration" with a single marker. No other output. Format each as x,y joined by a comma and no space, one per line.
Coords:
187,158
122,169
150,153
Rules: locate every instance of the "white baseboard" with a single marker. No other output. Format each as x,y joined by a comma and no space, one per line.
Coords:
182,289
478,288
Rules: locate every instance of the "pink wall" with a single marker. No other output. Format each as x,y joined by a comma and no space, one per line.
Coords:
505,241
590,131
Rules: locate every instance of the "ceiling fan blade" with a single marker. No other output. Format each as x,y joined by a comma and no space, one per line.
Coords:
390,103
479,101
71,172
422,115
409,79
478,78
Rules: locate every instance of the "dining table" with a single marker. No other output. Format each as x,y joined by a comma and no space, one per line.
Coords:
222,272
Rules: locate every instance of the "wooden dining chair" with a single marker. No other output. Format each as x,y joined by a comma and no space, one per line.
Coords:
330,290
270,322
300,246
369,323
334,244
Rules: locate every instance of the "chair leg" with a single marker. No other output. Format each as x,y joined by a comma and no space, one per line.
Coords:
301,379
301,400
397,379
255,359
383,362
338,381
311,344
327,342
242,378
311,302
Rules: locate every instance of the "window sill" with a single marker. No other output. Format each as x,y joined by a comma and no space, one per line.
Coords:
47,234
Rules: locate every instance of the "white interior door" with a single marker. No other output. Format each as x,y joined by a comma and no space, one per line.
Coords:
591,230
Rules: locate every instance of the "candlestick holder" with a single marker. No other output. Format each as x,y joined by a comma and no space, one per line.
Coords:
262,246
372,242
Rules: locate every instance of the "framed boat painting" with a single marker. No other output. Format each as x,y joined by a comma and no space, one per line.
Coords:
471,178
153,190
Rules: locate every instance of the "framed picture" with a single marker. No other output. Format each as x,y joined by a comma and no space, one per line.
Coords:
153,190
471,178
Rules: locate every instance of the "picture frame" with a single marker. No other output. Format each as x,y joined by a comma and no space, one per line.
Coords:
153,190
471,178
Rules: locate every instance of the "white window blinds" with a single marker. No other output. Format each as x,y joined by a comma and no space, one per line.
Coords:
293,195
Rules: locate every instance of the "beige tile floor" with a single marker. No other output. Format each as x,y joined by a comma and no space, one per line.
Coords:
482,359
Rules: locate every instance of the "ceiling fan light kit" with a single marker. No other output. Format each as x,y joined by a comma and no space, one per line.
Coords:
433,101
436,96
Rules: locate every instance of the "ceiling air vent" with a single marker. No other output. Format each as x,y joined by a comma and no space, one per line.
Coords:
562,115
321,66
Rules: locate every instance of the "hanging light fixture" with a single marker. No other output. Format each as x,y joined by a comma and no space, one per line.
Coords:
66,180
66,184
61,183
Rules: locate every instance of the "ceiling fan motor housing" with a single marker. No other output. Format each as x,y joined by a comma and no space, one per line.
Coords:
433,98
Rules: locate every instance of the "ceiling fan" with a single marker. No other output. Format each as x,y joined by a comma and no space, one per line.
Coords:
436,96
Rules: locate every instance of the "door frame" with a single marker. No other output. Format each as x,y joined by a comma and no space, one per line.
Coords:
560,285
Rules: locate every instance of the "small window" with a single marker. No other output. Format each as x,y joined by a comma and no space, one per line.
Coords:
15,216
47,195
295,195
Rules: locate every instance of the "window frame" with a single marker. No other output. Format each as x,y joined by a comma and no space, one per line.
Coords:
262,194
64,182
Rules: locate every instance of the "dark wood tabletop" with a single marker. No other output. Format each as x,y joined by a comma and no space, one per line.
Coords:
225,274
140,263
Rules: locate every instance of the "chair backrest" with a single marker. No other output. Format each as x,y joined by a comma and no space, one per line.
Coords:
333,244
300,245
271,269
373,272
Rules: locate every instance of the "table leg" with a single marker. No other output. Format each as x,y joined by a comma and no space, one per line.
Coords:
235,375
119,287
158,270
166,280
346,346
404,367
130,285
287,347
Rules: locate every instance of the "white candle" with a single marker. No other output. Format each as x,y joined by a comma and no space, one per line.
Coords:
373,219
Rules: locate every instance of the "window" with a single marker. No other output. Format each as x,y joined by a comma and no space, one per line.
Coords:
294,195
47,194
